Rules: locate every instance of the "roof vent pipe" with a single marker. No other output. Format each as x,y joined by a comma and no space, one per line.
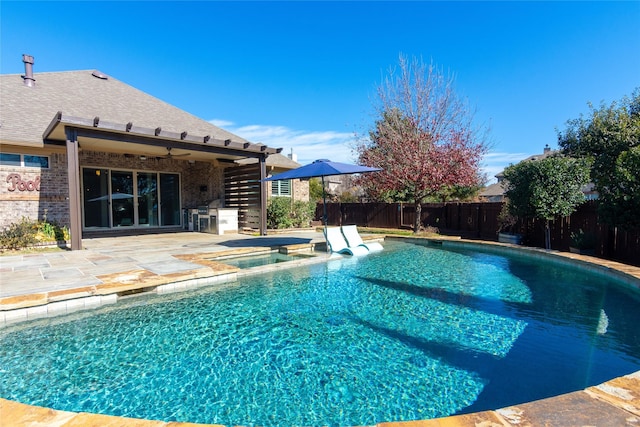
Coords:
28,71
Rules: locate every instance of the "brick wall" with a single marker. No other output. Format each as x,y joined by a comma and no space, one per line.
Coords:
301,190
34,193
201,183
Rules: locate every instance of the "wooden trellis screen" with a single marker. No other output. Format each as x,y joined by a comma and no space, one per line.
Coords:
242,191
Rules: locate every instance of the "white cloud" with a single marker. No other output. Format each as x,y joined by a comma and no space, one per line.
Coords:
495,162
221,123
336,146
506,157
307,145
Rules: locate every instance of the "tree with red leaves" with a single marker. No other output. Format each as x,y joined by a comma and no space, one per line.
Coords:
423,140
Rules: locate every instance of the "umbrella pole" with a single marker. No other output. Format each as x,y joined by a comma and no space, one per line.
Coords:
324,204
324,215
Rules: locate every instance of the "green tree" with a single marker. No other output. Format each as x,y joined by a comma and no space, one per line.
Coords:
609,137
315,189
546,189
424,138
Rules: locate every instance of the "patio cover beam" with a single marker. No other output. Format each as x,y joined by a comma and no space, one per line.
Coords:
167,143
73,174
127,132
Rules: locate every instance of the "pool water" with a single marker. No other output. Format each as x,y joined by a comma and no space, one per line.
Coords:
413,332
250,261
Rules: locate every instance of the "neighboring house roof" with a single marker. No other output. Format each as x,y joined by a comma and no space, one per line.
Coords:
493,190
496,191
547,152
276,161
27,112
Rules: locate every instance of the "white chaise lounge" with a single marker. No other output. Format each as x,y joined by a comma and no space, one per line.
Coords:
338,244
353,239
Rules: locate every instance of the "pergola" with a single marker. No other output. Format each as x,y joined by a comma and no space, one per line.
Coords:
95,134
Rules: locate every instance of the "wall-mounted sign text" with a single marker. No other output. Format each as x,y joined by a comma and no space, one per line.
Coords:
17,183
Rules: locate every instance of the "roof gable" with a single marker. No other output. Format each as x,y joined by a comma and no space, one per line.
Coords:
27,111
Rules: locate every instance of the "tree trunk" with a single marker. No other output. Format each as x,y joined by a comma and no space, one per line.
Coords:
416,221
547,235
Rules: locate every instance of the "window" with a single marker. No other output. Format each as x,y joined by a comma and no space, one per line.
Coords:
36,161
281,188
25,160
7,159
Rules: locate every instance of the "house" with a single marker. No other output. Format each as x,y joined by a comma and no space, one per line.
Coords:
86,150
495,192
295,188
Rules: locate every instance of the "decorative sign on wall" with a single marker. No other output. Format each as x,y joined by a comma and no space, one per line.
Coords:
17,183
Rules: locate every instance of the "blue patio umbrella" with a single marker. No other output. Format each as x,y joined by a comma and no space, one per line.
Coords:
321,168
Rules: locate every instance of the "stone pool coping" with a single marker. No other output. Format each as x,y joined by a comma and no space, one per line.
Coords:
615,402
212,270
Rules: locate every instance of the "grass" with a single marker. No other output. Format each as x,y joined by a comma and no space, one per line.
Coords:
394,231
32,250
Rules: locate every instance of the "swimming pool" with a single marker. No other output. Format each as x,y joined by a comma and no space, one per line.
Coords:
414,332
252,261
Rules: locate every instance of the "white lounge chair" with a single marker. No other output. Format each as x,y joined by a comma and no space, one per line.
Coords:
338,244
353,239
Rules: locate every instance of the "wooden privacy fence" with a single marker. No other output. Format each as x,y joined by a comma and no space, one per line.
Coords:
480,221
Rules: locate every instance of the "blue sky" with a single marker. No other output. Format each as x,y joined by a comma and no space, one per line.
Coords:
301,75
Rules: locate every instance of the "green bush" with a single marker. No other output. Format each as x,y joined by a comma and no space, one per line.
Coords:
279,213
283,213
302,213
19,235
28,232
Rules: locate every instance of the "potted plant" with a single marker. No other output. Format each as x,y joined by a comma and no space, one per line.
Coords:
582,243
506,227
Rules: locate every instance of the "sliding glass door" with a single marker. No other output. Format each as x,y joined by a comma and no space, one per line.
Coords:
95,183
116,198
122,198
170,199
147,199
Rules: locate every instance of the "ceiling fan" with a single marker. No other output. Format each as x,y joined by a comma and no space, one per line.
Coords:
170,156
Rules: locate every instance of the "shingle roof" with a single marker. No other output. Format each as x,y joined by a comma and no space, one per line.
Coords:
277,161
496,189
25,112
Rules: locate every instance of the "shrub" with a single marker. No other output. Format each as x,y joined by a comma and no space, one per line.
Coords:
28,232
283,213
279,213
303,213
19,235
582,240
506,220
